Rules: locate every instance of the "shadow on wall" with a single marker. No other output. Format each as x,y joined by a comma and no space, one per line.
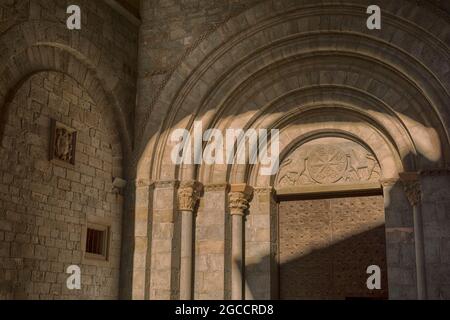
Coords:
337,271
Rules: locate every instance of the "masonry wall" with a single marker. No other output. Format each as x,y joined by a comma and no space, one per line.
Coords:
106,40
436,223
170,30
45,205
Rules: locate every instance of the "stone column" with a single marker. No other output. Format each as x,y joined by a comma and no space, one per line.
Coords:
239,197
188,195
411,185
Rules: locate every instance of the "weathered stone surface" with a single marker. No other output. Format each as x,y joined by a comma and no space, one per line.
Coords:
355,108
56,187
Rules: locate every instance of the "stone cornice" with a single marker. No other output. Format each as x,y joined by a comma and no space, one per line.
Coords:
161,184
216,187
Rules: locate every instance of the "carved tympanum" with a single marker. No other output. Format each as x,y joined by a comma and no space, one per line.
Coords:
329,161
326,164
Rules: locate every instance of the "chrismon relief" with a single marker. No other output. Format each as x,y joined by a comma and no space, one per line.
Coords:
327,161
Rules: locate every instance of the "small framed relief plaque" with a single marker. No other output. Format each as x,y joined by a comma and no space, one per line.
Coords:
62,142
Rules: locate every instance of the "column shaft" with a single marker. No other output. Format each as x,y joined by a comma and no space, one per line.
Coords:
239,197
187,222
237,253
420,252
188,195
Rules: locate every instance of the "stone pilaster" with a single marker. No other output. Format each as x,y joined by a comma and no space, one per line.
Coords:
260,246
142,237
211,236
164,284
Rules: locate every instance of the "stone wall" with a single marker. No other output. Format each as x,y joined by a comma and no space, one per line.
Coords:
170,30
436,221
45,205
106,45
210,243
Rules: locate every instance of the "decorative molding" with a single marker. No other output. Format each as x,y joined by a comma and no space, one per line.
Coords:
413,192
326,189
239,197
260,190
162,184
188,195
216,187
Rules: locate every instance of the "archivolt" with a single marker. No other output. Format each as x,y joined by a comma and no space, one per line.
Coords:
230,67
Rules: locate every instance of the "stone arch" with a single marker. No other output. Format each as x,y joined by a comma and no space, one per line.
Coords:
436,100
216,56
31,62
35,49
292,137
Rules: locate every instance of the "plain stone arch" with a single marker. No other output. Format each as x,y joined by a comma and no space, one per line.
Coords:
32,62
40,45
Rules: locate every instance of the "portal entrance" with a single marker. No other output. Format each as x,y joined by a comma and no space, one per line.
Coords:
326,245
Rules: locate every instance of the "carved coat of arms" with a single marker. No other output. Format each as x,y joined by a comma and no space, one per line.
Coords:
63,143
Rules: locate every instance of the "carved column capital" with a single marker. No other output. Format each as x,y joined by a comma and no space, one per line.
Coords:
188,195
411,185
239,197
